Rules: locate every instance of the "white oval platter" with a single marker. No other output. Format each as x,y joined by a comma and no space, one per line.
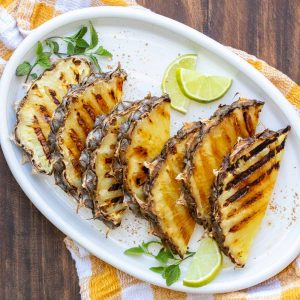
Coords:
145,43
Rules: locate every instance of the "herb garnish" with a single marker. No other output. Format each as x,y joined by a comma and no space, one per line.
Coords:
75,45
169,267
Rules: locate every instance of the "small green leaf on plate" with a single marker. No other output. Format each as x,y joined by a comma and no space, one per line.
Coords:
23,68
159,269
134,251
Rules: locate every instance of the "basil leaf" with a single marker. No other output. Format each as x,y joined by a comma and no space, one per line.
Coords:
44,61
70,48
159,270
79,34
95,61
172,274
23,68
81,43
94,37
33,76
103,52
39,49
134,251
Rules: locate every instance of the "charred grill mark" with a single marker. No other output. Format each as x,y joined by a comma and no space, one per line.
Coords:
76,76
112,94
34,87
83,124
243,175
76,165
62,76
108,160
76,61
244,222
140,150
248,123
89,109
53,96
41,138
76,139
45,113
101,102
240,193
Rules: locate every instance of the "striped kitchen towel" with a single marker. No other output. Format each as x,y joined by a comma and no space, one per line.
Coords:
98,280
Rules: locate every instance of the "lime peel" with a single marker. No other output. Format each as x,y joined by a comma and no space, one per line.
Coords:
179,101
201,87
205,265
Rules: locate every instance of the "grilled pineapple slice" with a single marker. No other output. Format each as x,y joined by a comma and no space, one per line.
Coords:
74,119
170,220
208,149
99,183
141,139
242,190
37,107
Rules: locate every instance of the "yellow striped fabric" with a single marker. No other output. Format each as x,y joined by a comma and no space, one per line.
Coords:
97,279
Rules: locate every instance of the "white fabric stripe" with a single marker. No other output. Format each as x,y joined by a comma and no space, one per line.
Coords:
64,6
199,297
9,32
272,289
137,292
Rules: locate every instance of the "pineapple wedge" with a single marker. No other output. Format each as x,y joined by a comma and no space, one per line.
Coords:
242,190
37,107
74,119
100,186
141,139
169,218
208,149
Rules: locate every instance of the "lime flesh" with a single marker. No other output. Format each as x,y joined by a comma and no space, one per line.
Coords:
179,101
200,87
205,265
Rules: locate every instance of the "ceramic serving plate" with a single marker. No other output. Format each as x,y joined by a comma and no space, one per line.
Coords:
145,43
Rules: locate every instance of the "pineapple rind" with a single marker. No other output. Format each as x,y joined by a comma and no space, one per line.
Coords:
140,140
100,186
35,111
170,220
75,118
242,191
207,150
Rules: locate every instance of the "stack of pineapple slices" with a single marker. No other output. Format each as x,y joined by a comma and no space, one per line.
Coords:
110,155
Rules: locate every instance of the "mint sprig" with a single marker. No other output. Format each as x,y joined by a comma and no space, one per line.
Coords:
75,45
169,267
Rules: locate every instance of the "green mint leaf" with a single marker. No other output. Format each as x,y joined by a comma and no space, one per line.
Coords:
39,49
33,76
159,270
135,251
164,255
103,52
70,48
23,69
53,45
95,61
78,50
172,274
94,37
81,43
79,34
44,61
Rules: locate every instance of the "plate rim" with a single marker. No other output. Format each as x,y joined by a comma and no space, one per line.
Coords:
145,16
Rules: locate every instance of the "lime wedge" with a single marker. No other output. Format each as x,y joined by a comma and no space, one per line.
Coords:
205,265
169,83
201,87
